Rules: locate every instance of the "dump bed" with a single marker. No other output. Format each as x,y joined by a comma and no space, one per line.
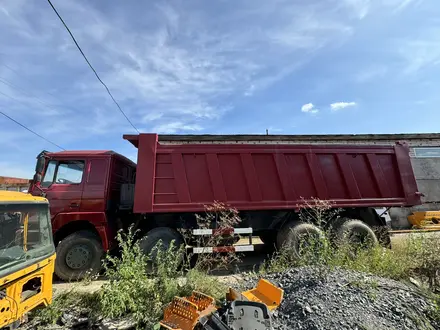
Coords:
184,176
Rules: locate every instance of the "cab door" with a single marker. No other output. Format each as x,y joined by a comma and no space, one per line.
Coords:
63,184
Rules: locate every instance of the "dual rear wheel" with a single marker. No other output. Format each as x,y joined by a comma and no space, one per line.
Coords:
352,233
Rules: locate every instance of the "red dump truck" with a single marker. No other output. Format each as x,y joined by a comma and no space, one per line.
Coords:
267,179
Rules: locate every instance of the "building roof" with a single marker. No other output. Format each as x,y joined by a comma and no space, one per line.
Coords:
134,138
13,181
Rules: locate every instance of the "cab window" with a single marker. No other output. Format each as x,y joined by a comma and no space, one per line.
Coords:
50,174
70,172
63,172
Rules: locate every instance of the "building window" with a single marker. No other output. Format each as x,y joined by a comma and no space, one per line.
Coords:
426,152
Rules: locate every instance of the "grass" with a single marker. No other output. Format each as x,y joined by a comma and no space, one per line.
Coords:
418,256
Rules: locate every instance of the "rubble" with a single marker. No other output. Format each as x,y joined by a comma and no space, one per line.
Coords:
316,299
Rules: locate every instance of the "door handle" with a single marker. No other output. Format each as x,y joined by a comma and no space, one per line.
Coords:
74,205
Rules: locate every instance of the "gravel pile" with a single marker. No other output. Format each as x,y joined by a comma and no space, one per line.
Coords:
342,299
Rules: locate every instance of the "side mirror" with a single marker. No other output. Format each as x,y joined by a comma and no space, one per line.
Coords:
37,178
39,167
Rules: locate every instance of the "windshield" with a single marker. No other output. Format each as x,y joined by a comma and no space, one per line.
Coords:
25,235
50,173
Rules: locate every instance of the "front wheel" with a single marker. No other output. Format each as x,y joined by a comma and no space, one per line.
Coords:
78,255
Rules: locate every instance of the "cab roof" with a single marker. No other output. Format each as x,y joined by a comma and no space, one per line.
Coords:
19,197
90,153
82,152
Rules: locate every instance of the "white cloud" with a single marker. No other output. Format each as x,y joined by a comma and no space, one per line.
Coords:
400,5
174,127
341,105
250,91
360,8
309,108
370,73
420,51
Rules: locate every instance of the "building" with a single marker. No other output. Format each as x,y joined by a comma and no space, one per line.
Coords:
14,184
424,152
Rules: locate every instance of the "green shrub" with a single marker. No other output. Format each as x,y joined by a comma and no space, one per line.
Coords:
131,291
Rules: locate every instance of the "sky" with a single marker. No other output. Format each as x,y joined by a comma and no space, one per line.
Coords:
213,67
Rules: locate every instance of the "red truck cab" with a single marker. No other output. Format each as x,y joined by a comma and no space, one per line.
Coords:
83,188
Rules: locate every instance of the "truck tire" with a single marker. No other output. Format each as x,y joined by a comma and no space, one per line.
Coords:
354,232
78,255
150,240
294,234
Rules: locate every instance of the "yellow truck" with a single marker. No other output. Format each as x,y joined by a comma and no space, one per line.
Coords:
27,256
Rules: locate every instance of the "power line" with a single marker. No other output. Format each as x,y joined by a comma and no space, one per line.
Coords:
17,100
52,106
91,67
22,75
33,132
7,83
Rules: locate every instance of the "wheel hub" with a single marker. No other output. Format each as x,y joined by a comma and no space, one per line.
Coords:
78,257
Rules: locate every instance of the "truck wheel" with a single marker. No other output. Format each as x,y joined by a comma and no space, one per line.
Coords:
354,232
78,255
150,240
295,235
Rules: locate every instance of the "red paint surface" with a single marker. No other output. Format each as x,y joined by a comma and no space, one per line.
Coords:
96,195
97,219
186,177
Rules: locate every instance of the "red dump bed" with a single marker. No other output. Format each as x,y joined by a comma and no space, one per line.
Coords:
184,176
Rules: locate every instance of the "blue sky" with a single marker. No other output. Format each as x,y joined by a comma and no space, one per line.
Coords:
196,66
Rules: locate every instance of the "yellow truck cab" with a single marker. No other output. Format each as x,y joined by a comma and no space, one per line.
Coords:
27,256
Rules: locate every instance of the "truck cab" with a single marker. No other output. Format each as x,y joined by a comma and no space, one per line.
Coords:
83,188
27,256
